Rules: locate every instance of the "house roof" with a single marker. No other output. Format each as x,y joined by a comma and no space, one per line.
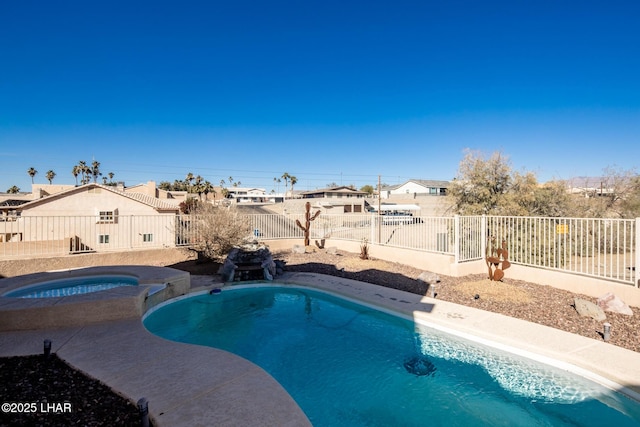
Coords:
342,189
427,183
13,202
158,204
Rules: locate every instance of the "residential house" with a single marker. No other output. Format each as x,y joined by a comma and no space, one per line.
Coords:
93,217
338,199
247,194
416,187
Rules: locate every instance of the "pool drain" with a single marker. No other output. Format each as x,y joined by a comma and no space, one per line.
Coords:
420,366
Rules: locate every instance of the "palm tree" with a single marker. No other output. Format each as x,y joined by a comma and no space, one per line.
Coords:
32,172
286,177
95,170
188,180
198,186
75,172
50,175
104,180
82,169
13,190
86,172
293,180
207,188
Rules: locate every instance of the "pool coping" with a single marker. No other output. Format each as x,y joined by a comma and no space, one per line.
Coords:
194,385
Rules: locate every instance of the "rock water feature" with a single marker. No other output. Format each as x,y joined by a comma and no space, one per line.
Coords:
249,262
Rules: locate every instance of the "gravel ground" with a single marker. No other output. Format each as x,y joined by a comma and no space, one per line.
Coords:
47,382
36,379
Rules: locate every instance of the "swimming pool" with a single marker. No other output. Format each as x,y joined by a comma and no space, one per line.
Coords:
72,286
348,364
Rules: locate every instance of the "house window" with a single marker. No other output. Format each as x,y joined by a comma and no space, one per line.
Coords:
103,239
106,216
147,237
433,190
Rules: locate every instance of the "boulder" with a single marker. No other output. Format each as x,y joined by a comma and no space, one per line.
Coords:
332,250
228,270
610,302
297,249
428,277
588,309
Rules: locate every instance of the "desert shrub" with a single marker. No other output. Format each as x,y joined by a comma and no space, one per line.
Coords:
364,249
219,230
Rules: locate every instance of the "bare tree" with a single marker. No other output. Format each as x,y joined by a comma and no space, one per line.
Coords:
489,186
220,229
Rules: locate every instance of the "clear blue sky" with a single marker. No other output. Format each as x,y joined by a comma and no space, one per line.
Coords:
328,91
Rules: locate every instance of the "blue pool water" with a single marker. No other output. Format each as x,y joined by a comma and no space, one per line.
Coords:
350,365
74,286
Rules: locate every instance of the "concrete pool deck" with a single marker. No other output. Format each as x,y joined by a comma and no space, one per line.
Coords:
188,385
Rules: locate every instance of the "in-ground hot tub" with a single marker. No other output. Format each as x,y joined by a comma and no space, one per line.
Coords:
90,298
72,286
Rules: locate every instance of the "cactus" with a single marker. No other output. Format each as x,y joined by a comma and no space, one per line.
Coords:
307,225
497,260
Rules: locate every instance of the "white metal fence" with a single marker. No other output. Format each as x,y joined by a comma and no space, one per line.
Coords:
602,248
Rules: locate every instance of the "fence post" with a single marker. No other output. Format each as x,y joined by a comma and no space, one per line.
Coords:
637,253
456,239
483,237
372,239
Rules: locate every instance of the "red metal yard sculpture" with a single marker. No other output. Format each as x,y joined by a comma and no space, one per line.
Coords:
308,218
497,260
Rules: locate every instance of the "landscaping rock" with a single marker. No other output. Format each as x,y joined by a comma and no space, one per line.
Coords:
297,249
588,309
610,302
428,277
332,250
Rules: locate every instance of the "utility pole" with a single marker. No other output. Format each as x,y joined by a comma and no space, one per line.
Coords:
379,206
